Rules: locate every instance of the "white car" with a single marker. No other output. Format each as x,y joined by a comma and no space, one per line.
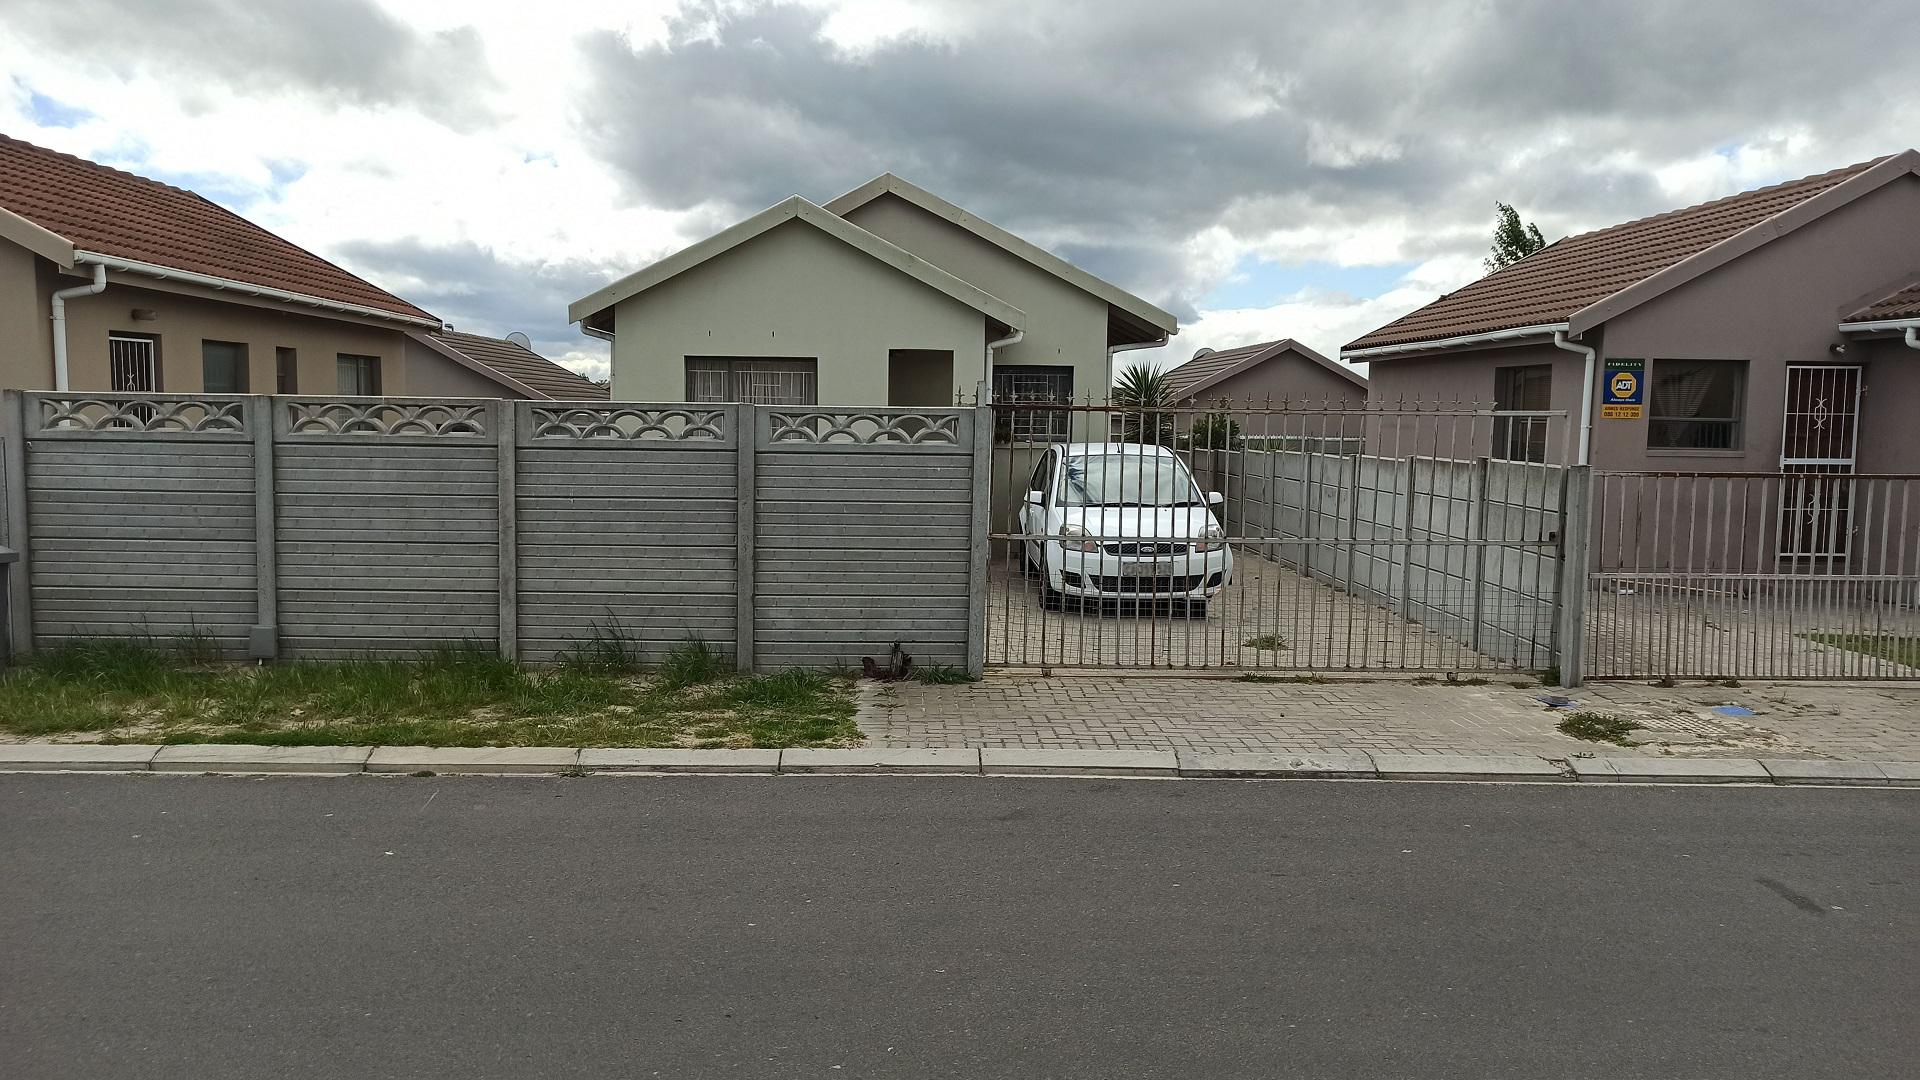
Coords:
1123,521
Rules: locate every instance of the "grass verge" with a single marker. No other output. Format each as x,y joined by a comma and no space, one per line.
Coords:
1895,647
452,696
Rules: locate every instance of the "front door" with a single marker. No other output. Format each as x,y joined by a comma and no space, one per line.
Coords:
1819,440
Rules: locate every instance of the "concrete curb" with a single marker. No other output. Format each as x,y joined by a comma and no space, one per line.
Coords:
992,761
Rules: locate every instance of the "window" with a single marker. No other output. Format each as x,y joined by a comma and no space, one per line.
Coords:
1521,389
1015,384
1695,404
133,363
358,376
286,369
753,380
223,367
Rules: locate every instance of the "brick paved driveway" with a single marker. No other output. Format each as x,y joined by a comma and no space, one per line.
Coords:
1861,722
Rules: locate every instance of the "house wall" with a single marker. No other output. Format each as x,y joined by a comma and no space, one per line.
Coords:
1066,326
1462,382
183,320
1889,434
792,291
430,374
1777,305
1289,378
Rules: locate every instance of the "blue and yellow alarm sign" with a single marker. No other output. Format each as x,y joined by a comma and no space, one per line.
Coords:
1625,390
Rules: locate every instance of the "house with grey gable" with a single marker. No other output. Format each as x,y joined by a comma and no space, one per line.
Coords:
1281,373
885,296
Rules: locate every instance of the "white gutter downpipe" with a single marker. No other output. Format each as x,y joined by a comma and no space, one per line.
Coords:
1912,337
985,394
1586,391
59,306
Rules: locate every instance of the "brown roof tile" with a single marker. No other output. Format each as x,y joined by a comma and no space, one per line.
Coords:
1904,304
523,366
116,213
1552,284
1203,371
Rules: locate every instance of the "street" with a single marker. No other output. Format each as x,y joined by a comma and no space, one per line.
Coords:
205,927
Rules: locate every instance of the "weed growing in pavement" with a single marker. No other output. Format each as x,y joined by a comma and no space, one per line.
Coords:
941,675
1598,727
1268,643
1310,680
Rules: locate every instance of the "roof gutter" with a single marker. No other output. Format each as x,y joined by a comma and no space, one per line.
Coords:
59,312
208,281
1883,324
1586,390
1464,341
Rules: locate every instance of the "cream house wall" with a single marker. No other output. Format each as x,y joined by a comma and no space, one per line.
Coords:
793,291
1066,326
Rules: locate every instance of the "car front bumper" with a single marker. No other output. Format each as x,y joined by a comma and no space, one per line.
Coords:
1099,575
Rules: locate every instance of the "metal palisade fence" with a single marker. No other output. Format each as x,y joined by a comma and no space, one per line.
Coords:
324,528
1292,536
1791,575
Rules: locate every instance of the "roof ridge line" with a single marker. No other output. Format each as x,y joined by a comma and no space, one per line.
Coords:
1857,167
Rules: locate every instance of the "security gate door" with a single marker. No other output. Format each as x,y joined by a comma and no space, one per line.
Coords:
1819,440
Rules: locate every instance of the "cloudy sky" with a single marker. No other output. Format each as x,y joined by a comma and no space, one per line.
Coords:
1261,169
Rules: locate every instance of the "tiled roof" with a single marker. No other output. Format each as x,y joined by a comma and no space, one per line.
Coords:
1904,304
116,213
1194,376
523,366
1552,284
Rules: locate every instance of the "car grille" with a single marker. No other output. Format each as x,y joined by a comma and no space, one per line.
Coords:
1179,584
1131,548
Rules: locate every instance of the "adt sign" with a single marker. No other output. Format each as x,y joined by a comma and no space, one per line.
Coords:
1626,390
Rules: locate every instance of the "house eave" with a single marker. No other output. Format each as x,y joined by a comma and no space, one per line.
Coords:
1461,341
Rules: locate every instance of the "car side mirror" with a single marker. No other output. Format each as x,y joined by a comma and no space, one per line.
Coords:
1036,498
1214,498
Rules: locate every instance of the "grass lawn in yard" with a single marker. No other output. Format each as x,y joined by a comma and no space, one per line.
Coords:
142,692
1900,650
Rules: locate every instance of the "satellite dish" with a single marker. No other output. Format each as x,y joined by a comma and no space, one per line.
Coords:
521,340
1198,353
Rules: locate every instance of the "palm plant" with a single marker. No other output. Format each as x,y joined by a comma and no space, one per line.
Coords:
1141,392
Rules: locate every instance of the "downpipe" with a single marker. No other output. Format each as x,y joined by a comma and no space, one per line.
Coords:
59,311
1586,391
985,396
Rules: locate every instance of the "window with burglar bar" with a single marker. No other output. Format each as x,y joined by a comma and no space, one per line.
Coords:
1017,384
133,363
1695,404
753,380
1521,389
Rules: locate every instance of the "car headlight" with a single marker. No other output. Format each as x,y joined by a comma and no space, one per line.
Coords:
1067,535
1211,537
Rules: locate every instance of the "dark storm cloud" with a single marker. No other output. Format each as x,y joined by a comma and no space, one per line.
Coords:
349,52
1118,128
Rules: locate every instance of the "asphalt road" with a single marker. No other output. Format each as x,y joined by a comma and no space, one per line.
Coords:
202,928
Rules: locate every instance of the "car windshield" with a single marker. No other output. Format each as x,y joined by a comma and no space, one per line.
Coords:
1128,480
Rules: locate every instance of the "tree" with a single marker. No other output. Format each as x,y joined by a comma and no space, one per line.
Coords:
1140,391
1512,240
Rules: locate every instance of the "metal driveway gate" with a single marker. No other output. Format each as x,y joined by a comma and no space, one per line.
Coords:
1800,574
1398,536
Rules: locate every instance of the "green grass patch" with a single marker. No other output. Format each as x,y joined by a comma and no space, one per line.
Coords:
1267,643
1598,727
1898,648
453,696
941,675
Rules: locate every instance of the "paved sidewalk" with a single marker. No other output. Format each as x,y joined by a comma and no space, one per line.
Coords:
1849,723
